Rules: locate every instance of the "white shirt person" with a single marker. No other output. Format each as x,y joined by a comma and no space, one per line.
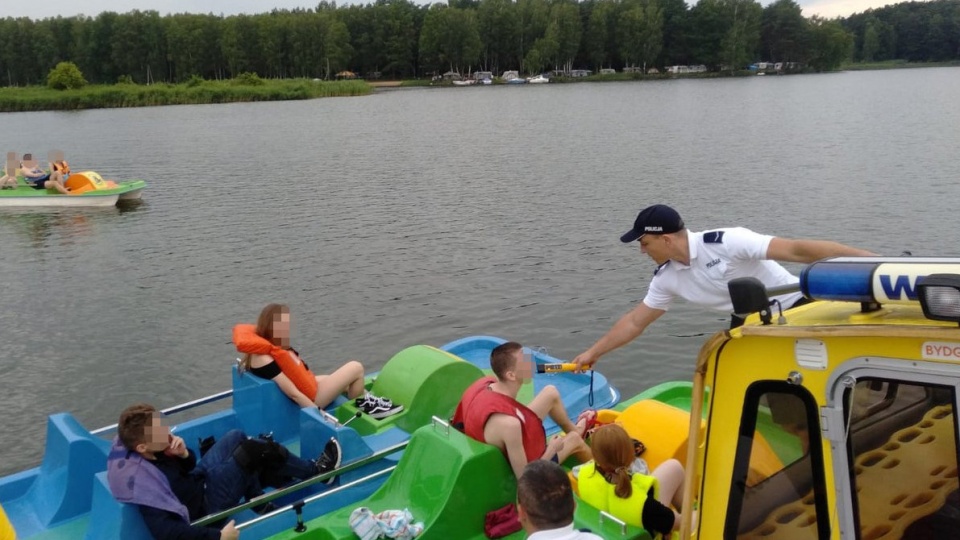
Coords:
697,267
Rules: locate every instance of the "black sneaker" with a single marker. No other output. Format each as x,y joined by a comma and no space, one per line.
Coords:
329,460
377,407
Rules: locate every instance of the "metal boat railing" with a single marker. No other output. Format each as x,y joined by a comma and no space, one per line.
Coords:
298,506
267,497
176,408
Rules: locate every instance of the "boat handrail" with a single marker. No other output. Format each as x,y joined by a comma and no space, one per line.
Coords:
300,504
267,497
780,290
176,408
437,420
620,522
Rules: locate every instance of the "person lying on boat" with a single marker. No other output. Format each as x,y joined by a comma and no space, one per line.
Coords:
153,469
609,483
697,266
40,179
268,355
490,413
545,503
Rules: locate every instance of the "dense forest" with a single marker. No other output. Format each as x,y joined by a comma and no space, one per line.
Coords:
398,38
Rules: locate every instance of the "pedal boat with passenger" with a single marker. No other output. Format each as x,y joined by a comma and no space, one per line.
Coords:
87,189
836,419
67,495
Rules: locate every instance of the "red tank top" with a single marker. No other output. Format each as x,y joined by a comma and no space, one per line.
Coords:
479,402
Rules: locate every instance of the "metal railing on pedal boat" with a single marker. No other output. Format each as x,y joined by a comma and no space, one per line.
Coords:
299,505
176,409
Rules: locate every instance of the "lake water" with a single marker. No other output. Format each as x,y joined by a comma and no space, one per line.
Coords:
425,215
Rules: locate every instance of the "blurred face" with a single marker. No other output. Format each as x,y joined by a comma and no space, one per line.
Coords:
523,369
655,246
156,435
281,329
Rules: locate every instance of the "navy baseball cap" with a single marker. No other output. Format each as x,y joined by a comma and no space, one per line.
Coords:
656,219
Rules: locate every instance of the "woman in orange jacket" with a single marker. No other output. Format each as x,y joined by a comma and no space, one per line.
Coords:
268,354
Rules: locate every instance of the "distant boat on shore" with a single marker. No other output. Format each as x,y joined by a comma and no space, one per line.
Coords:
539,79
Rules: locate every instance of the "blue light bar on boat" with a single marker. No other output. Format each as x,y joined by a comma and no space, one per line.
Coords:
887,280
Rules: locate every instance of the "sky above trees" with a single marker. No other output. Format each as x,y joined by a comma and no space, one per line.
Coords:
39,9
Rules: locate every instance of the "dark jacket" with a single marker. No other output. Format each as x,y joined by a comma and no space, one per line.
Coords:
188,488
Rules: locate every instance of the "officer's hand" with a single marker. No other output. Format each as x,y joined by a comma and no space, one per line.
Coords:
585,360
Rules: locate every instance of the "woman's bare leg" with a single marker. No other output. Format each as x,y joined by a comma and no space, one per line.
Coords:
347,378
670,475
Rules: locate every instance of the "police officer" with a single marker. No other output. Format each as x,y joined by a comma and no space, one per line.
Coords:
696,266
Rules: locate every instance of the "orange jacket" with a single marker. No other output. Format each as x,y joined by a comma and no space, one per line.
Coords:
247,341
61,166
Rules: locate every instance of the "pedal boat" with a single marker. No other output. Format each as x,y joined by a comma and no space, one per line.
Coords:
67,495
836,419
87,188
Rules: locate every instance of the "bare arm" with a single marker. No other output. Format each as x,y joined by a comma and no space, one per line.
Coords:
284,382
628,328
504,432
808,251
290,389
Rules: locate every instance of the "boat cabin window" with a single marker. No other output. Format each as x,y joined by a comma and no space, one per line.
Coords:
778,488
902,457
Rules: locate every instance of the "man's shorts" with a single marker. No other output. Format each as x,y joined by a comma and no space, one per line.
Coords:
39,183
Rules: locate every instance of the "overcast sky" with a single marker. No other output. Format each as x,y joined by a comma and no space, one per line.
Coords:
39,9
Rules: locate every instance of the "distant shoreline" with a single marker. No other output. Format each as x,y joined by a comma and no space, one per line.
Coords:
194,92
37,98
896,64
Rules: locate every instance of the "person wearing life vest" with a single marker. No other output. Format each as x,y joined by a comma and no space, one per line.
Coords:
607,483
62,167
489,412
268,355
40,179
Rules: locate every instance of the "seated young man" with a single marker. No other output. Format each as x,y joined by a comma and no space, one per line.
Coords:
40,179
489,412
545,503
153,469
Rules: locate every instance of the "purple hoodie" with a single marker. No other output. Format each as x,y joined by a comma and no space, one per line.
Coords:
135,480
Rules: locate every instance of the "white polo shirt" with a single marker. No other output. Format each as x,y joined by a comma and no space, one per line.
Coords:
716,257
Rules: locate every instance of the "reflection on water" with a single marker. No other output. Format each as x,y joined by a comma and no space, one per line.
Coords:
38,227
131,205
422,216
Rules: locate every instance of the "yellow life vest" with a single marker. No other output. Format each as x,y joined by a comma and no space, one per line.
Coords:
597,492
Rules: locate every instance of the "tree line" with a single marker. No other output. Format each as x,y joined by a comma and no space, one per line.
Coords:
913,31
400,39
